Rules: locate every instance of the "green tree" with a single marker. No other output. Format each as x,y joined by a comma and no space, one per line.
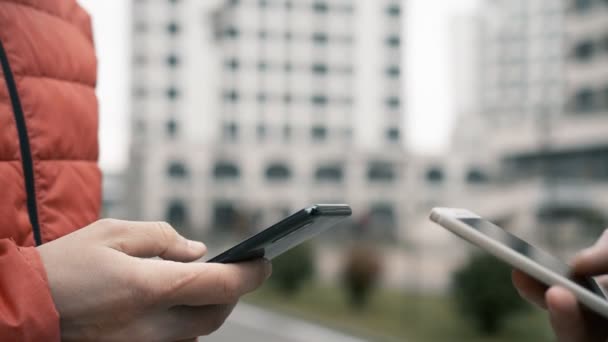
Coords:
292,269
484,292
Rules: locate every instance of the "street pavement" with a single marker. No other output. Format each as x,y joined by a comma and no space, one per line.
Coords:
249,323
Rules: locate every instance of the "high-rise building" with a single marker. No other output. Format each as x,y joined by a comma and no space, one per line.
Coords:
541,121
246,110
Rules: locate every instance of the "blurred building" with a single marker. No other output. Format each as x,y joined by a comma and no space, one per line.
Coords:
540,127
247,110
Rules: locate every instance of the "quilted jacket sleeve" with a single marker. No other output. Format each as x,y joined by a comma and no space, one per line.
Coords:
27,311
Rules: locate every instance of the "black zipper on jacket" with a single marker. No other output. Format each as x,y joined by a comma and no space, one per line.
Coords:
24,144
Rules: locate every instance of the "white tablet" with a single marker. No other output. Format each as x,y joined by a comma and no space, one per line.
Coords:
521,255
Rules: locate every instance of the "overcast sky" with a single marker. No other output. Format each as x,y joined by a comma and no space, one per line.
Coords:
429,113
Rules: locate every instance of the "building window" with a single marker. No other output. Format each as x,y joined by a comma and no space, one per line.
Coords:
232,64
319,69
177,214
320,7
319,133
393,41
141,27
226,171
140,59
172,93
231,32
278,172
331,174
393,10
584,101
319,100
320,38
393,102
261,132
476,176
225,216
381,172
172,60
263,34
435,175
172,128
393,134
231,131
234,3
173,28
583,51
288,67
393,71
173,2
231,96
177,170
262,66
582,5
262,97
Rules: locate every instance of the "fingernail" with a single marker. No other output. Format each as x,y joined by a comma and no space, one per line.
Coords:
196,245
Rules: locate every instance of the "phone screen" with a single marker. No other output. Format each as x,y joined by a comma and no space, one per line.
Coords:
539,256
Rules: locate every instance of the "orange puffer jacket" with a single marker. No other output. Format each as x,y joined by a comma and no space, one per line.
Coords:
49,178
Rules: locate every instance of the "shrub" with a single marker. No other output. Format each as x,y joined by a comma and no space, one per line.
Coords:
484,292
292,269
361,273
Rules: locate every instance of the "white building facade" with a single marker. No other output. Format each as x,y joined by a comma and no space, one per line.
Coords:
245,111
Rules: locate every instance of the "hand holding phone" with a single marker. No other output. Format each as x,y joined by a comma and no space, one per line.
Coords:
521,255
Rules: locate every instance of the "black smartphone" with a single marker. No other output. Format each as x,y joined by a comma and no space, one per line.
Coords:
284,235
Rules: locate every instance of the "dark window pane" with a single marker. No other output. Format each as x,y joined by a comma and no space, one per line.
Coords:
177,214
231,96
231,32
393,102
287,132
319,68
435,175
319,133
320,7
177,170
173,28
393,134
393,71
583,5
393,10
278,172
319,100
233,64
261,131
225,216
584,101
584,50
172,60
381,172
172,93
393,41
226,171
172,128
231,131
332,174
476,176
320,38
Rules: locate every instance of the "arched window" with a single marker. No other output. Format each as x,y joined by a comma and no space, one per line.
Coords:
177,170
278,172
333,174
177,214
226,170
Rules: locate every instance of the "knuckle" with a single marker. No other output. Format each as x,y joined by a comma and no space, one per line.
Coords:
165,231
230,288
108,223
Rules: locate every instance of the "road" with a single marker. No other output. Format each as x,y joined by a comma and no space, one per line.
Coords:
249,323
